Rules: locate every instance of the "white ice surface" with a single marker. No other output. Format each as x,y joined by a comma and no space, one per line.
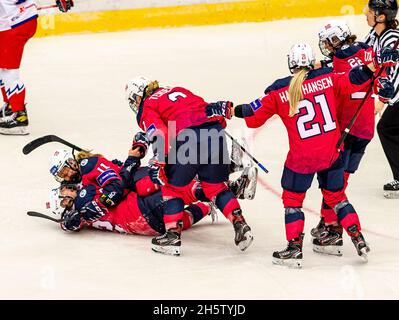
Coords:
76,90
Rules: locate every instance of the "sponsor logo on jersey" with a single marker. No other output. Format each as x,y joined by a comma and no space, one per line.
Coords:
255,105
106,176
151,130
84,162
83,193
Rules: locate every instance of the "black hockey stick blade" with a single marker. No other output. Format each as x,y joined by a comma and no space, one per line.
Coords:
41,215
46,139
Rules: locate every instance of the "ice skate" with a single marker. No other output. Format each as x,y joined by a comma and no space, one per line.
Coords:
236,158
360,244
318,231
243,236
15,124
245,186
5,112
168,243
391,190
213,213
330,243
292,256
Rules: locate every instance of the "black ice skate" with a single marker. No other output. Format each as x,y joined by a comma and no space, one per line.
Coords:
391,189
243,237
5,111
292,255
168,243
15,124
361,246
320,230
331,241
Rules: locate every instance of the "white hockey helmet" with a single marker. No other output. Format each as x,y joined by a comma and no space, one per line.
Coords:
301,55
135,88
333,33
58,161
58,204
54,203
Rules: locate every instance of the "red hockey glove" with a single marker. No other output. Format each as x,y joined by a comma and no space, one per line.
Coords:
157,171
64,5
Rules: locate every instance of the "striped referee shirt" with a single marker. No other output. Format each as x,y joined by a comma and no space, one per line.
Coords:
386,39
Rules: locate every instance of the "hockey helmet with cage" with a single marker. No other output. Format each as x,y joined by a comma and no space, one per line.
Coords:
389,8
58,204
135,88
61,159
332,35
301,55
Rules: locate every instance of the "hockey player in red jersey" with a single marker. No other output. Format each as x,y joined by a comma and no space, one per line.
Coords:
18,23
340,47
186,144
306,103
78,208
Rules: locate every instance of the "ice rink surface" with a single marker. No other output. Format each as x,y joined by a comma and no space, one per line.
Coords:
76,90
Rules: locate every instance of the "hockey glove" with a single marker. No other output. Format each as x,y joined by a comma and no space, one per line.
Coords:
140,140
117,162
386,57
64,5
385,89
157,171
220,108
91,211
71,221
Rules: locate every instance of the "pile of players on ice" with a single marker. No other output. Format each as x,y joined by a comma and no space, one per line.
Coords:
188,176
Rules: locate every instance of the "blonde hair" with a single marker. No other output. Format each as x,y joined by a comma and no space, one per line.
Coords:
295,90
151,88
87,154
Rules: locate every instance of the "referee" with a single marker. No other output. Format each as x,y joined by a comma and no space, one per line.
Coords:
381,16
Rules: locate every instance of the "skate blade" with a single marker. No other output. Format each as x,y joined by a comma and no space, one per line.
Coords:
364,254
250,190
17,131
289,263
243,245
391,194
171,251
329,250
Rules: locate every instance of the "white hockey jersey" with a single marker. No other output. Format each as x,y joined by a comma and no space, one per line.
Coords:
16,12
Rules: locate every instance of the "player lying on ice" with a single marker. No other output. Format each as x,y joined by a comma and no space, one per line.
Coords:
96,192
186,145
307,103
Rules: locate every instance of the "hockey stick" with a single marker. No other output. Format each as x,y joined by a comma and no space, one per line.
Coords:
249,155
359,108
41,215
47,139
47,7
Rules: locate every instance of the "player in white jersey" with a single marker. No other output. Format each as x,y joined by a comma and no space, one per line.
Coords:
381,16
18,23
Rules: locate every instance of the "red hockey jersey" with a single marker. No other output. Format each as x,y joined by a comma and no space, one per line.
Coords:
313,132
344,60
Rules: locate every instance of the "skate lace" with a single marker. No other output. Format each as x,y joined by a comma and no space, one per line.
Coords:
10,118
394,183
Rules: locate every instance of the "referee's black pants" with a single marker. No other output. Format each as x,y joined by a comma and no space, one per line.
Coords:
388,131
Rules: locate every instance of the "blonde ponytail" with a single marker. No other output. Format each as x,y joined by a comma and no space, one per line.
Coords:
295,90
151,88
87,154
